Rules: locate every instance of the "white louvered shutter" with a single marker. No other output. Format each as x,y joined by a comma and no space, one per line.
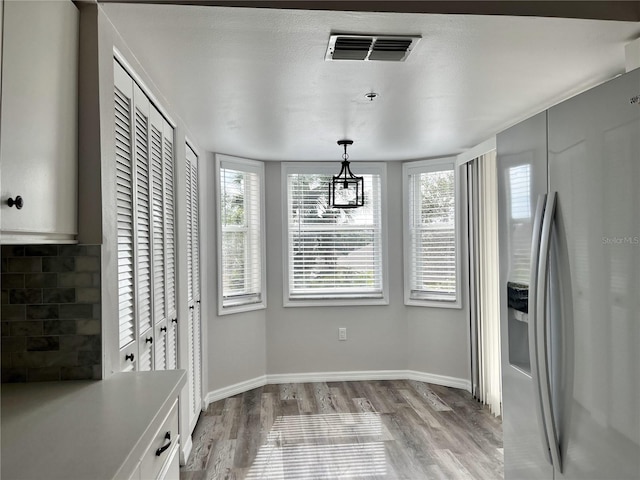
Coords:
170,247
158,232
158,216
195,239
432,230
123,103
333,253
143,229
193,287
145,198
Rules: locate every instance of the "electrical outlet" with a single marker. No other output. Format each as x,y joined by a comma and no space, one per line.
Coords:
342,333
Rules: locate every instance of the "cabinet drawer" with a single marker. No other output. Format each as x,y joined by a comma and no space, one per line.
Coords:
156,456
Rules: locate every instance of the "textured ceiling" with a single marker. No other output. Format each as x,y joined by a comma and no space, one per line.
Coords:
254,83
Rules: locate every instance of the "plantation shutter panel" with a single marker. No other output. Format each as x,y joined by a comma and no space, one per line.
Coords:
145,202
432,226
195,238
123,103
170,247
333,253
193,287
143,230
156,168
158,215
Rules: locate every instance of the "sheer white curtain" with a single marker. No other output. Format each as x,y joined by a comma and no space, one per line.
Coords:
485,314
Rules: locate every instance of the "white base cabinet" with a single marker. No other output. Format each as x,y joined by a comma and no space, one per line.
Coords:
38,125
124,427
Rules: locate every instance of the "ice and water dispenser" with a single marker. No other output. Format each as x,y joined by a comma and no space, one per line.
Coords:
518,325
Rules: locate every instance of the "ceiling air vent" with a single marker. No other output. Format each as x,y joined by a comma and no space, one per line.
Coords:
395,48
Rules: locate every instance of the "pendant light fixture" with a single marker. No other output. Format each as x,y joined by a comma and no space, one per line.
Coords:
346,190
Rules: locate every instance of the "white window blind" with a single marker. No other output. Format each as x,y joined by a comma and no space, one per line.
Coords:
333,253
431,265
241,243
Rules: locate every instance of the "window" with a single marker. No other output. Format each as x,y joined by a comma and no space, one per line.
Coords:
432,266
333,254
241,276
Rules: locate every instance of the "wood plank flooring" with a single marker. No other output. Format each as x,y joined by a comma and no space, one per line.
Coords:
369,430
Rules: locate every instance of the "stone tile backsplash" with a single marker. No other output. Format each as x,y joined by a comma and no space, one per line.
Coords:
50,313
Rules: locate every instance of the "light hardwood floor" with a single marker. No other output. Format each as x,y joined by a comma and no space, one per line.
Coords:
368,430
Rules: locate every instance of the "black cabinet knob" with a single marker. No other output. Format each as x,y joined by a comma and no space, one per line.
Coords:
148,340
191,307
17,202
163,329
129,357
174,320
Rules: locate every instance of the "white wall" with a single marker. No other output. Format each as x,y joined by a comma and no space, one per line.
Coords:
391,337
305,339
235,344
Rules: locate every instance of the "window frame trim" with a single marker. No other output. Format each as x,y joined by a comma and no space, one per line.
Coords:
332,168
249,166
427,166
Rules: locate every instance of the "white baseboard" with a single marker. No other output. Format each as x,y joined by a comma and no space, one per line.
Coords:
445,381
187,444
336,376
353,376
234,389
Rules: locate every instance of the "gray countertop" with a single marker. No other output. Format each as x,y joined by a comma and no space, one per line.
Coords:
85,429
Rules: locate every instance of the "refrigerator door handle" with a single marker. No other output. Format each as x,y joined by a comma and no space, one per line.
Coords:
541,334
532,314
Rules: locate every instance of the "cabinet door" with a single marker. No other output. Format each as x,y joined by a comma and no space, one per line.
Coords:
38,140
170,246
193,288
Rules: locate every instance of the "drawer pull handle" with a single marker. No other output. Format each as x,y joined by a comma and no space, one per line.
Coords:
174,320
163,329
191,307
162,449
129,357
17,202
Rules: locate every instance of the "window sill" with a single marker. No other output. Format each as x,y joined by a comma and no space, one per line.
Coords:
248,307
334,302
412,302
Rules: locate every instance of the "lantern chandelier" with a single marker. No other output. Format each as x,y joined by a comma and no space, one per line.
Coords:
346,190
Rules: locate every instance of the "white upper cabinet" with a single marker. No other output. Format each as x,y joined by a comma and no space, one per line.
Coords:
38,129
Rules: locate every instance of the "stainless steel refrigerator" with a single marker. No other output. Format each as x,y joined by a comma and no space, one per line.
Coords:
569,232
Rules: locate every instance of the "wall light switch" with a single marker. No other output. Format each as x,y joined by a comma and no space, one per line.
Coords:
342,333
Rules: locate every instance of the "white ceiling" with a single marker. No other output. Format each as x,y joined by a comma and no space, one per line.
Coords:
254,83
